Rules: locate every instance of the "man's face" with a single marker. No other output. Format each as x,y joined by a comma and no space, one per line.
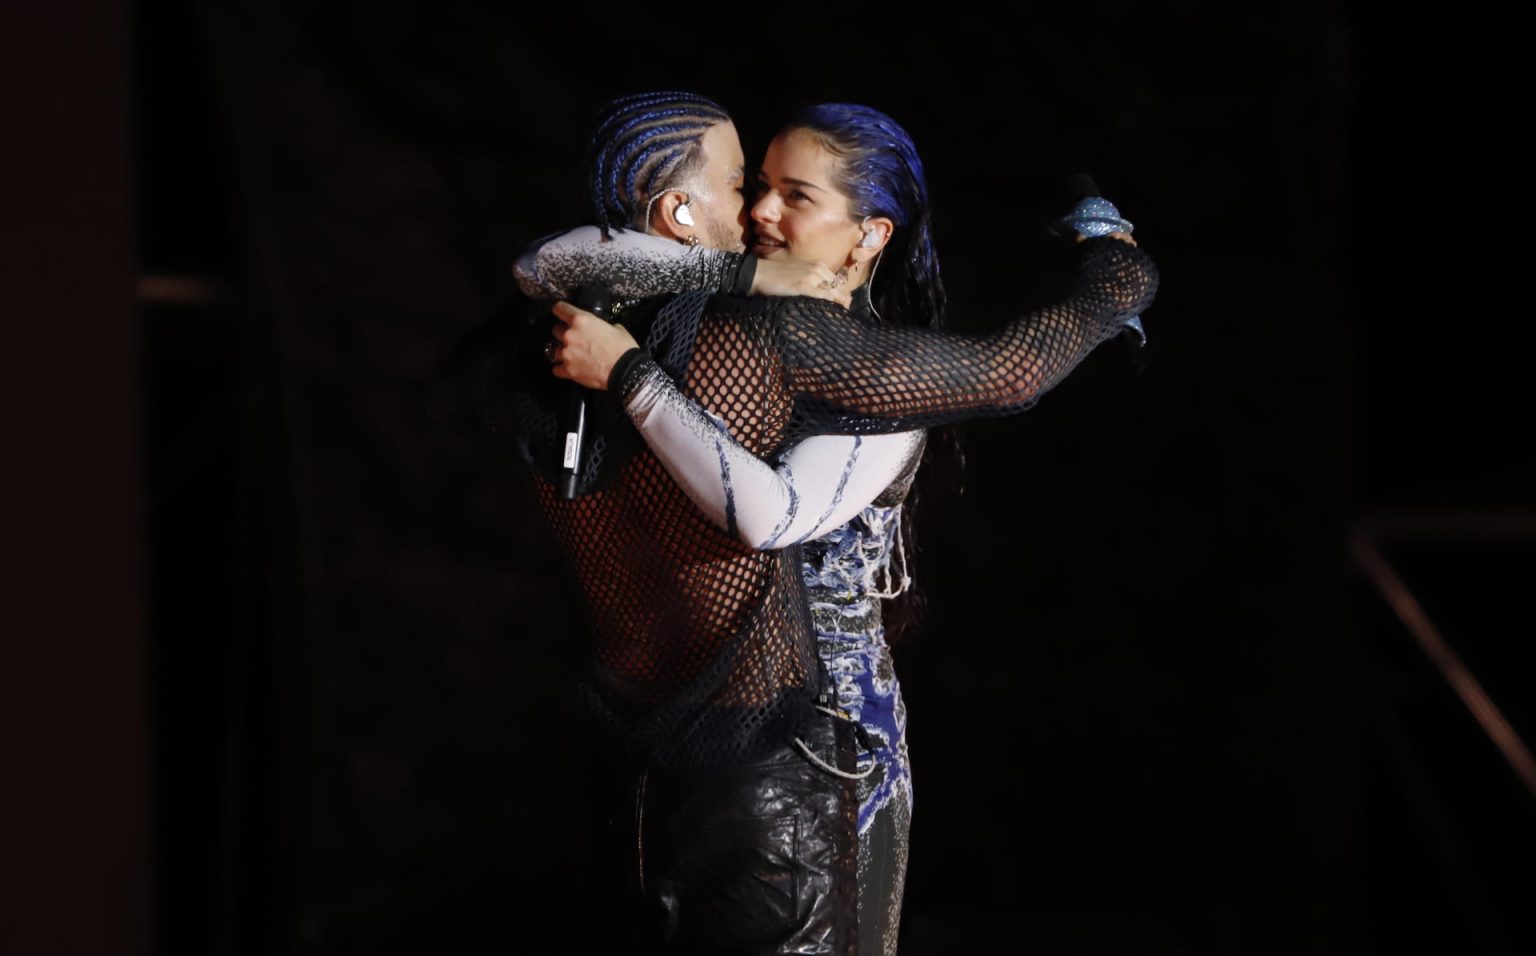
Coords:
716,189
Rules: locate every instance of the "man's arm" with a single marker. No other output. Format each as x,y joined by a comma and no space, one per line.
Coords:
629,264
634,265
818,485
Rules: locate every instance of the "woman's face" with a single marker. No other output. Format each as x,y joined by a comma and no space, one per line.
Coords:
799,212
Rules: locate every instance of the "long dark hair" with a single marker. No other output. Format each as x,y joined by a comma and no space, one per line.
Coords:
880,173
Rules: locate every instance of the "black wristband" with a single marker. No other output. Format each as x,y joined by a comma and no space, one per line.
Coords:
623,376
746,271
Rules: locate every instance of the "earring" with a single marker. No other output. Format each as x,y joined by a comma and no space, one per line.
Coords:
690,240
838,280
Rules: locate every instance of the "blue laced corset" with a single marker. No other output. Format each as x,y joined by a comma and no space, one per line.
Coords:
846,573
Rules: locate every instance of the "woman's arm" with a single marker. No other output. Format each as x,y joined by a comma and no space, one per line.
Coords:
805,367
809,370
818,485
847,377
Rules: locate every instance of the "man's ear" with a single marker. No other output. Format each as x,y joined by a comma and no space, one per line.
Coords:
671,215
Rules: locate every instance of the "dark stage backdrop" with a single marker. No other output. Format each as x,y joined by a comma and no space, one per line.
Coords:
1141,708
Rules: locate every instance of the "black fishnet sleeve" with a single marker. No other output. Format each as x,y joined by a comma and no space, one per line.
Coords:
793,367
850,375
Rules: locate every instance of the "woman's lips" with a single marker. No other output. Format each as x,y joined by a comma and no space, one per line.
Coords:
762,246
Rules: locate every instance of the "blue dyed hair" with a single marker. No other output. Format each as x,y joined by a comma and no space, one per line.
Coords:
879,171
645,144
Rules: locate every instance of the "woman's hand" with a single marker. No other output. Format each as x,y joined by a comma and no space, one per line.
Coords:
1122,236
588,346
786,276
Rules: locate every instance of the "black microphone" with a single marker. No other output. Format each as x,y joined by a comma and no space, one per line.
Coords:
599,302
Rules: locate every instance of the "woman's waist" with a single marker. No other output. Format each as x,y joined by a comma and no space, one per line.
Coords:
849,617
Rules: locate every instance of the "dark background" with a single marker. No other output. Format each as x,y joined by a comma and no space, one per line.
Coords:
302,649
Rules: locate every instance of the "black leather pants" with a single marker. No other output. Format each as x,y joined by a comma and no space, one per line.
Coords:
754,859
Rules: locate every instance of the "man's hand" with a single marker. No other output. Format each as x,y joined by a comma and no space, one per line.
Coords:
785,276
588,347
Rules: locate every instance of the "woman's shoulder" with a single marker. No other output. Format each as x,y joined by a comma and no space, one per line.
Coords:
783,310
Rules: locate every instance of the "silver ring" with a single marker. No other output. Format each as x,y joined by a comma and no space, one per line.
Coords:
550,348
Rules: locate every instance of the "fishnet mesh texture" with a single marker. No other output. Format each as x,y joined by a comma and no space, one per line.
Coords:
700,650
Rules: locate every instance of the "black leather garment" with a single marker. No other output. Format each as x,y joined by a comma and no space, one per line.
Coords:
755,859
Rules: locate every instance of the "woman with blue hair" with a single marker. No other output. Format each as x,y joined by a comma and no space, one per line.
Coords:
841,192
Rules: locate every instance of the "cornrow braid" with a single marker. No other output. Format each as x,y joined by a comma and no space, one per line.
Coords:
643,144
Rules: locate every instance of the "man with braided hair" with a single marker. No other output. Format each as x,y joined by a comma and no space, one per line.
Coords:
701,656
670,163
670,166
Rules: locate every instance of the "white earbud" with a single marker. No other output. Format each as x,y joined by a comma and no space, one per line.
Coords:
682,215
870,240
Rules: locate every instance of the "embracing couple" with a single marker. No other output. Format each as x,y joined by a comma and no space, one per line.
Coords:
774,361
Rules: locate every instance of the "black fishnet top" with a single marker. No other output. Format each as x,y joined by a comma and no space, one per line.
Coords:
700,650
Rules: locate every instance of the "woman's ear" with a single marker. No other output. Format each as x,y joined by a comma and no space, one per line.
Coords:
876,233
